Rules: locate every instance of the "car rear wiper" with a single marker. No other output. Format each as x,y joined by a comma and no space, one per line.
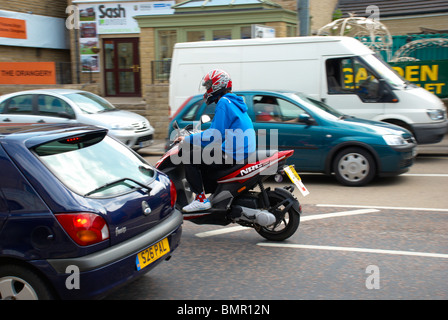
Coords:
110,184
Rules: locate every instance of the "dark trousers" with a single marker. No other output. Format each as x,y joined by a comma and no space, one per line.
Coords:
196,169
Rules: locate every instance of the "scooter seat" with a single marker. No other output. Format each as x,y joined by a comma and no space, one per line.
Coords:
264,154
259,156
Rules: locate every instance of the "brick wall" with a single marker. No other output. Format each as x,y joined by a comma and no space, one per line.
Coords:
157,109
51,8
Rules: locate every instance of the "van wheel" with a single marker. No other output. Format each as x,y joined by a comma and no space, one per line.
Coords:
20,283
354,167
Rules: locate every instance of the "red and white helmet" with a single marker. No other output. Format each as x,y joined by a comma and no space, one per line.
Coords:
216,84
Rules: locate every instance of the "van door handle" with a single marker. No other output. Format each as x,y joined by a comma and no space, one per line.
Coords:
6,120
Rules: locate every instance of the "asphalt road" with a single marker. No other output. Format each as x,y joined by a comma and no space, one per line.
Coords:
388,240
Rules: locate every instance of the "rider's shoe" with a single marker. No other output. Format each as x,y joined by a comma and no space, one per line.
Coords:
197,205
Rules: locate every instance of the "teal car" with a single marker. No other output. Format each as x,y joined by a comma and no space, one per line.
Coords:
323,139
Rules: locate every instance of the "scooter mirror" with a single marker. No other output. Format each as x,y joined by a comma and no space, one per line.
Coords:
205,118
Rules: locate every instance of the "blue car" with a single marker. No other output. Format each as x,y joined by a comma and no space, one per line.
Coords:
80,213
324,140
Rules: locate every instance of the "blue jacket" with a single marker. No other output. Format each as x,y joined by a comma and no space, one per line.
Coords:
231,126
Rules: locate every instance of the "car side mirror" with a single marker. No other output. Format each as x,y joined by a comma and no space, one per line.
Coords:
205,118
66,115
306,118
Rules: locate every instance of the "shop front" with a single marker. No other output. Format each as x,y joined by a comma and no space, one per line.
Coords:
109,43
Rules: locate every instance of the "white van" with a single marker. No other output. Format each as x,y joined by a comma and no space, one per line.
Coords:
339,71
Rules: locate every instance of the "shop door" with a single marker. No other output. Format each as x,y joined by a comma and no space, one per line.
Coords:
122,67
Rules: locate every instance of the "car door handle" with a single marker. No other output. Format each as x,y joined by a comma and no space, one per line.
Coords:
6,120
41,121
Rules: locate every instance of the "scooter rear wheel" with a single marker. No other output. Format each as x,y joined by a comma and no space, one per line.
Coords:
286,224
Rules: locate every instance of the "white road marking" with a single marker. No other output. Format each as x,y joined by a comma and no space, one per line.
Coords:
302,218
338,214
442,175
380,207
365,250
220,231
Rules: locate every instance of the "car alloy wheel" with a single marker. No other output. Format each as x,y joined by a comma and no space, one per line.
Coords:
354,167
20,283
13,288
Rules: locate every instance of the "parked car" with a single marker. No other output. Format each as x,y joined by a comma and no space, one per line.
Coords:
80,213
324,140
75,106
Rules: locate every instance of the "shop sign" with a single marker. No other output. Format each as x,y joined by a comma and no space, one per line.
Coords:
12,28
116,18
27,73
30,30
431,75
111,18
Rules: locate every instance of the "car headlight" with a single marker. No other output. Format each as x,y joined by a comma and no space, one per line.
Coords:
119,126
394,140
436,114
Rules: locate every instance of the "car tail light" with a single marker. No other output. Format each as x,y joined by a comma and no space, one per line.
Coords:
173,194
84,228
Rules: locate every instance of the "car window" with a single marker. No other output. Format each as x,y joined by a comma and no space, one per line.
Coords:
190,115
53,107
90,103
273,109
22,104
352,75
3,106
18,194
95,165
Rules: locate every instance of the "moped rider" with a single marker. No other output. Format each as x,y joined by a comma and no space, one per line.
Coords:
230,120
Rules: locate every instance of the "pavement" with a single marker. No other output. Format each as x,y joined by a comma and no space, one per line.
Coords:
441,148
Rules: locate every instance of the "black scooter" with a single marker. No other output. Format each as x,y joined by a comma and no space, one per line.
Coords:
274,214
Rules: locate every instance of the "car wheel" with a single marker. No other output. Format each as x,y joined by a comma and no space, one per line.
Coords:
19,283
354,167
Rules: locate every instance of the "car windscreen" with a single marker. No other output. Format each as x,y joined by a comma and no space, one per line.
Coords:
327,110
95,165
90,103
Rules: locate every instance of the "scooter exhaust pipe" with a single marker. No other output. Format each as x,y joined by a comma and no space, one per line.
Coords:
262,217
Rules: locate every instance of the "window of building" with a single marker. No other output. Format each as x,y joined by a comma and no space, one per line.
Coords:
225,34
246,32
195,35
166,40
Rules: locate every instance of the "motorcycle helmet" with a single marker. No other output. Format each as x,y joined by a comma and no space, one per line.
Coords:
217,82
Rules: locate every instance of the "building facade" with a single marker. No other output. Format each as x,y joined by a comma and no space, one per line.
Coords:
121,49
33,43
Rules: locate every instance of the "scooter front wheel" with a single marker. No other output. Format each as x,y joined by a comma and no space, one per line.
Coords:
287,222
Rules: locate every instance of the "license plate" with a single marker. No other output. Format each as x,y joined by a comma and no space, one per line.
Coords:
295,178
144,144
151,254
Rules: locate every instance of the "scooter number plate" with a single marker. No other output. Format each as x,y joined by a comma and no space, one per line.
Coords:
295,178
